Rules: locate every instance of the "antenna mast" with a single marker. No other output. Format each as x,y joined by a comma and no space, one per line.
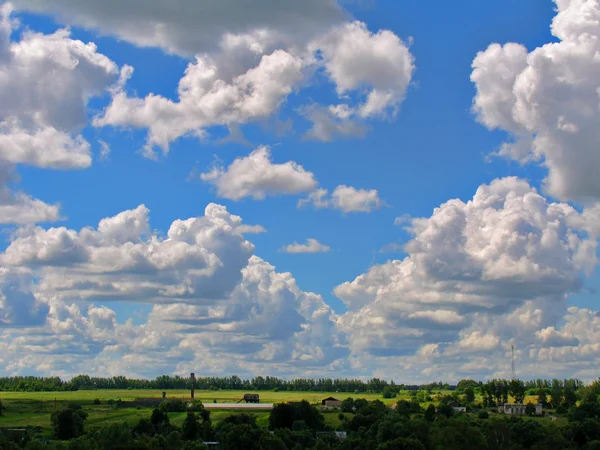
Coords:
514,375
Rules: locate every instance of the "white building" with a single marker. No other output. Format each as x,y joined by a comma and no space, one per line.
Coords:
518,409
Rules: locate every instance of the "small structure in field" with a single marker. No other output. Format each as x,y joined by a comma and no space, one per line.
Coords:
331,402
250,398
518,409
457,407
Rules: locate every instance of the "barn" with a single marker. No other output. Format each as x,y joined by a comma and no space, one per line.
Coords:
331,402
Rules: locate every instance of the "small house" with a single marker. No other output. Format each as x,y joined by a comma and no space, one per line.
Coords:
331,402
518,409
457,407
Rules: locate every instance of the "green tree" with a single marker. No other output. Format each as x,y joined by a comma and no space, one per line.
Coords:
388,392
402,443
68,423
190,429
430,413
542,398
347,405
517,390
469,394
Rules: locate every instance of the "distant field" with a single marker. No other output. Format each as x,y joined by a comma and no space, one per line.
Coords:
34,408
204,396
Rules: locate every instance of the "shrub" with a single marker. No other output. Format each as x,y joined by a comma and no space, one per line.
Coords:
483,414
97,401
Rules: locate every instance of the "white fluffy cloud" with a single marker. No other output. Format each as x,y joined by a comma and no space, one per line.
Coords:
18,306
476,272
248,78
20,208
200,259
266,319
311,246
344,198
46,81
356,60
206,99
257,176
547,100
194,26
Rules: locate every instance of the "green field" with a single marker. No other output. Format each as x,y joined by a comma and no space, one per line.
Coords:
205,396
34,408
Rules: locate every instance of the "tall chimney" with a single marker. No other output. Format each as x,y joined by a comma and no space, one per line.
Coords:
193,377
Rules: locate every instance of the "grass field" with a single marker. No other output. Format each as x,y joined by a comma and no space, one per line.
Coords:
34,408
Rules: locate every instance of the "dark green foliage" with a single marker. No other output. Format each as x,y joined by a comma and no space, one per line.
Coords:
284,415
529,409
445,410
68,423
483,414
542,398
388,392
191,428
470,394
430,413
402,444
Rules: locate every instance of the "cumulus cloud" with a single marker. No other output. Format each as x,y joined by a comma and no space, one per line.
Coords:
194,26
344,198
200,259
311,246
257,176
472,270
547,100
357,60
20,208
18,306
206,99
248,77
266,319
46,81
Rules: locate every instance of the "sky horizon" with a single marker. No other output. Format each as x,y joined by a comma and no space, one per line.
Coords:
335,188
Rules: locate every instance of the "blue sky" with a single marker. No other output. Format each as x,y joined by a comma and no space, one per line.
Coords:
425,147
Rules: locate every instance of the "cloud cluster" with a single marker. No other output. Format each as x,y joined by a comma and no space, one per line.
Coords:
39,75
194,26
200,259
547,100
263,317
477,274
247,78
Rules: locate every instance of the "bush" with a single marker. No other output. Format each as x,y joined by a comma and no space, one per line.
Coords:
97,401
341,416
483,414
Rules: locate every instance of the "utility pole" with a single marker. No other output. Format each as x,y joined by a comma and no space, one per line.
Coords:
514,373
193,377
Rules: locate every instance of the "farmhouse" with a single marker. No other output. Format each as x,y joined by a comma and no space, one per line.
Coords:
518,409
457,407
331,402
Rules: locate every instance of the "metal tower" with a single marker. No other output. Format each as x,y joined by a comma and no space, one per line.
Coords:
514,374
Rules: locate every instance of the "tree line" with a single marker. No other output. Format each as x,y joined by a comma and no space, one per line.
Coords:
259,383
